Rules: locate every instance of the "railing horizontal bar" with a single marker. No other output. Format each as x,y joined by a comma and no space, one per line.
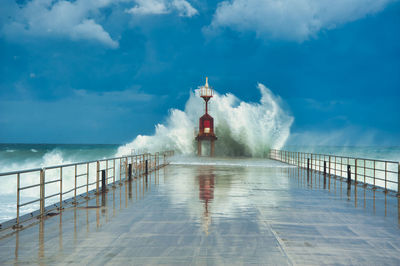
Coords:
68,191
21,172
29,202
51,195
22,188
353,158
376,169
105,169
53,181
84,174
66,165
81,186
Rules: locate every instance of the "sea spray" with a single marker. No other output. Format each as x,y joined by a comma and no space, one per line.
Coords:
242,128
32,156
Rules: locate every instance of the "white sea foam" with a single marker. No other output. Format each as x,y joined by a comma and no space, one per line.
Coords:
243,128
54,157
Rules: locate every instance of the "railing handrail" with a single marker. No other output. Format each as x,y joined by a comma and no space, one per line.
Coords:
342,156
70,164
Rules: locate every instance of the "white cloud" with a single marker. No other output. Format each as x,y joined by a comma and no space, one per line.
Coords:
146,7
184,8
74,20
291,19
157,7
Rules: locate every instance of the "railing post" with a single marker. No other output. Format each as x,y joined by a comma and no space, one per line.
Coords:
324,173
87,179
143,163
386,177
120,170
147,171
114,171
398,181
374,173
97,176
103,181
42,191
136,166
308,169
126,167
61,187
329,166
130,172
75,183
298,159
348,174
106,170
18,184
355,172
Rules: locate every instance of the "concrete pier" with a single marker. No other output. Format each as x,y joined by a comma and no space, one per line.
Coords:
218,214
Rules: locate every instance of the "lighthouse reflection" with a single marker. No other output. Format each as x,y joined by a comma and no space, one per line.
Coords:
206,195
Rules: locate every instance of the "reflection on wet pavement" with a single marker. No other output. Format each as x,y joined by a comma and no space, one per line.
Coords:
219,214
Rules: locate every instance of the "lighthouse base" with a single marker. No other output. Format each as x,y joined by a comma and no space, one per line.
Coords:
212,147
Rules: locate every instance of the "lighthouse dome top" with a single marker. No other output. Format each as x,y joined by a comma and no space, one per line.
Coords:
206,90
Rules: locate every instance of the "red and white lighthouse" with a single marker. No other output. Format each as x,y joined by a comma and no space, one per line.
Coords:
206,122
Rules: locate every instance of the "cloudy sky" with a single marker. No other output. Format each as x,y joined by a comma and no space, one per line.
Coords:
103,71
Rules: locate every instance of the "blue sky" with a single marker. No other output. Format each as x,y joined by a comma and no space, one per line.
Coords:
88,71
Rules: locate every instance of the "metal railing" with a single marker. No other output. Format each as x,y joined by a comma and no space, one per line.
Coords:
53,184
378,173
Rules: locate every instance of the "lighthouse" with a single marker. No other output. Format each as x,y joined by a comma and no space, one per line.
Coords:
206,122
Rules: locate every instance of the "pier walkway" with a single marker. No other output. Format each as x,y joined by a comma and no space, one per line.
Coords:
229,213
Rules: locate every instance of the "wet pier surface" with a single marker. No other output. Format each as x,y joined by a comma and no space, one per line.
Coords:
218,214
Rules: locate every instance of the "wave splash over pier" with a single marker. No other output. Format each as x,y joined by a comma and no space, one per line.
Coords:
243,128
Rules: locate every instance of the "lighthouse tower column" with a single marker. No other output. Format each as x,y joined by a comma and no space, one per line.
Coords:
206,122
